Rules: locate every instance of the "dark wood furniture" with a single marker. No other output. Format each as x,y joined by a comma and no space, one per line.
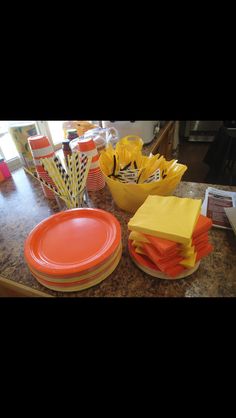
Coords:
165,140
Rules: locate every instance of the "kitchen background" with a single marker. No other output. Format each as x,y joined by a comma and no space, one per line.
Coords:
193,142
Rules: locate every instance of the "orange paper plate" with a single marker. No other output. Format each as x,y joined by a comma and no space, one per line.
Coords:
81,284
86,272
72,241
80,276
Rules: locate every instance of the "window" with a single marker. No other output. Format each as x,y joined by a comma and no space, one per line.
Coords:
7,145
52,129
56,130
8,149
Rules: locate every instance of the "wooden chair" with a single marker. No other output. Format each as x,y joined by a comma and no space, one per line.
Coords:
230,153
165,141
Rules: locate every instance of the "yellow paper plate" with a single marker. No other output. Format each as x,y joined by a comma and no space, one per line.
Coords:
82,286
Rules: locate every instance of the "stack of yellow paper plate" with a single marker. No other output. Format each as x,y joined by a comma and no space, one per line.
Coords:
75,249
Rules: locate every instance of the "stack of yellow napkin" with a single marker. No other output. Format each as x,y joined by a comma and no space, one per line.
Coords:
170,232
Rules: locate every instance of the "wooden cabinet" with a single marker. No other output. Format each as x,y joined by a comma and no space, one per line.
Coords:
165,140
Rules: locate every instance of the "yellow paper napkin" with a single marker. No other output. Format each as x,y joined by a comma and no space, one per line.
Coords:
169,217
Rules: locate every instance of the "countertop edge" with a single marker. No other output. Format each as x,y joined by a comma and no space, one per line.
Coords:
22,289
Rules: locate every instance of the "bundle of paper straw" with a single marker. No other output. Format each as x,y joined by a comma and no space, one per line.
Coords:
70,182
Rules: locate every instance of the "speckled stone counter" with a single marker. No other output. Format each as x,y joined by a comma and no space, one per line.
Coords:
23,206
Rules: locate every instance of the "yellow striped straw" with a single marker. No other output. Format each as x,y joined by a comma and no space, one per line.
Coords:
53,172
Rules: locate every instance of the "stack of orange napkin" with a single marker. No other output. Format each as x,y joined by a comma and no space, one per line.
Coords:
170,256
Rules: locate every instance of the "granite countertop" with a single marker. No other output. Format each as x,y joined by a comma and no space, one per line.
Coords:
23,206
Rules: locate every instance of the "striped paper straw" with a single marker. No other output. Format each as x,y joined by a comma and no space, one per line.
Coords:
49,186
56,176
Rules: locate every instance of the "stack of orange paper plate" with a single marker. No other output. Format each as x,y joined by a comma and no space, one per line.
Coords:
74,249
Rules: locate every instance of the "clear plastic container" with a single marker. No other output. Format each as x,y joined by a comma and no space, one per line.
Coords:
101,136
